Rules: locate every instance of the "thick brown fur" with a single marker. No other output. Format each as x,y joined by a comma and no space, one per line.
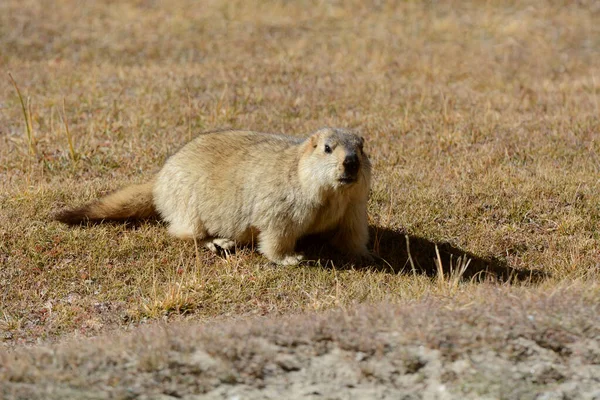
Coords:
130,203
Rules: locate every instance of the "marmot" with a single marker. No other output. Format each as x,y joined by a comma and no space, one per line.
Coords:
250,187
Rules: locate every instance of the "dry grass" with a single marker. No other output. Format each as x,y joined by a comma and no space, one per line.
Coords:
481,119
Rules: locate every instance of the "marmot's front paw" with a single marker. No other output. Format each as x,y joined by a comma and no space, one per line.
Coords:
367,259
363,258
291,259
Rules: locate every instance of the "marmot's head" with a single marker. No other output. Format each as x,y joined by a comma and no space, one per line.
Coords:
335,157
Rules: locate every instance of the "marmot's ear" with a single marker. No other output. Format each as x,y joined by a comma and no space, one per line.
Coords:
361,142
314,140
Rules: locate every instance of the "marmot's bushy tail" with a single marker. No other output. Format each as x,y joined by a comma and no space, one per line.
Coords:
131,202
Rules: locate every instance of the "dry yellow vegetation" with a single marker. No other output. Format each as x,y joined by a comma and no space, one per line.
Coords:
482,120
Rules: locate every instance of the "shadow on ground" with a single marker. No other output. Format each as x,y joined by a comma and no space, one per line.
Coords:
397,252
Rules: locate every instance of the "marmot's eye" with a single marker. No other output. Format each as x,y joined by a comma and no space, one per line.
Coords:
327,149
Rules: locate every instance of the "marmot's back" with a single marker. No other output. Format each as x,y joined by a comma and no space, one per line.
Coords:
224,156
223,178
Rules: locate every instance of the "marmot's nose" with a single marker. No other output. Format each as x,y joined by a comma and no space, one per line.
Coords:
351,163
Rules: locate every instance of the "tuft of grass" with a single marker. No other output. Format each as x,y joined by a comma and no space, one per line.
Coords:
31,145
72,153
174,296
456,270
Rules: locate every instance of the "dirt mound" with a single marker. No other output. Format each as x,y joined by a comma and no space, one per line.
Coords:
512,345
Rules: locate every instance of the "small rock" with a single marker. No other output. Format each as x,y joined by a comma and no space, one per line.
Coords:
287,362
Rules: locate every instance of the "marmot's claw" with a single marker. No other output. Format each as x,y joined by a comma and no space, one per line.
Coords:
219,245
225,244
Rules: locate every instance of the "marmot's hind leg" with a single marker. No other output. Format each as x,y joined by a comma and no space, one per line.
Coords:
216,244
186,230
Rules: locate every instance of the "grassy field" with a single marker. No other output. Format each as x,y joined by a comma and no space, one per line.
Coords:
482,121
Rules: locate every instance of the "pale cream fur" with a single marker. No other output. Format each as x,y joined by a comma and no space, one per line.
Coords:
245,187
